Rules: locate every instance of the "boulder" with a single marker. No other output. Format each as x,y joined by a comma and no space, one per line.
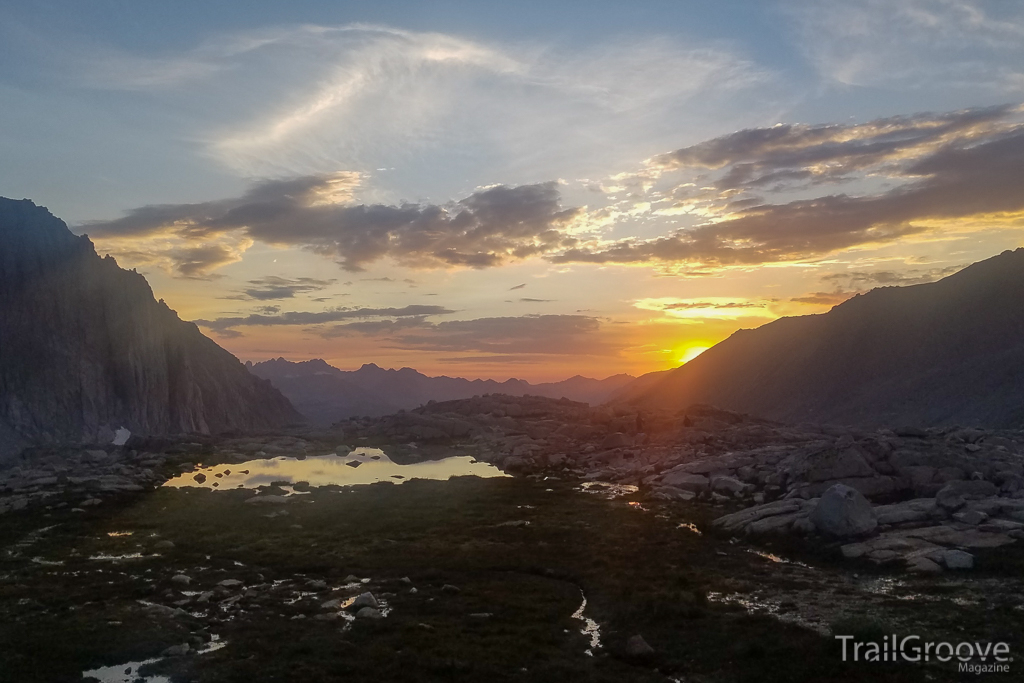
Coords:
176,650
617,440
957,559
844,511
636,646
972,517
838,465
267,500
685,481
923,565
364,600
969,490
727,485
739,520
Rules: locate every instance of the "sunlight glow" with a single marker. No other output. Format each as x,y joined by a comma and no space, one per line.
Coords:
692,352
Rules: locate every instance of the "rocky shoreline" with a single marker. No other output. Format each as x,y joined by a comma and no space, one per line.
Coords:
926,498
923,497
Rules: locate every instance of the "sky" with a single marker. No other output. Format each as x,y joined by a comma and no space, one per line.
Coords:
528,189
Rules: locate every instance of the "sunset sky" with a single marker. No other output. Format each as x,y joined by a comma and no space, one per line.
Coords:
523,189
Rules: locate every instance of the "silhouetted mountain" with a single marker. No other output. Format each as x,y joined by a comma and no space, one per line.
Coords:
948,352
86,348
321,392
325,394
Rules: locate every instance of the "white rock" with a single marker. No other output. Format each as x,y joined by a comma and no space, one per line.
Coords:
844,511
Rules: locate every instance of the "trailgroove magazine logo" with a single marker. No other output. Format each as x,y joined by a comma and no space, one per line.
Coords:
972,657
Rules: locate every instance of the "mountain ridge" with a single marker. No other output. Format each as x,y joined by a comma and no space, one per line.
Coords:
373,391
941,353
88,349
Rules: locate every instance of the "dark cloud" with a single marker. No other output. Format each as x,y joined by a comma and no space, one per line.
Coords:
316,318
268,309
515,336
540,334
536,301
273,287
795,152
931,167
891,278
198,262
825,298
960,179
517,287
851,283
373,328
496,359
488,228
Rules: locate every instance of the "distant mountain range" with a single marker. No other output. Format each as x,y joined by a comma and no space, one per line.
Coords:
945,353
325,394
85,349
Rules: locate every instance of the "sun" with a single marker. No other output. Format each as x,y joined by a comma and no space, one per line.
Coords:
692,352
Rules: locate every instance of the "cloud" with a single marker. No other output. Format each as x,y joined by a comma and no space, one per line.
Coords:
274,287
825,298
497,360
901,177
490,227
179,256
541,334
891,278
969,175
536,301
309,99
531,334
696,310
802,153
316,318
850,284
971,44
517,287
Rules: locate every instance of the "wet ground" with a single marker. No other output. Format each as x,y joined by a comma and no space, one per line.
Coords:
476,578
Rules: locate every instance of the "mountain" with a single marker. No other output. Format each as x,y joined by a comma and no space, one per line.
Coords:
949,352
321,392
86,349
325,394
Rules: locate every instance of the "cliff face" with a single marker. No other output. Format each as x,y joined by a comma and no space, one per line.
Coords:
86,349
945,353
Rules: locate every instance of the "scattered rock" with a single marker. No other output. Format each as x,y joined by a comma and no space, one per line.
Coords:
957,559
843,511
176,650
636,646
364,600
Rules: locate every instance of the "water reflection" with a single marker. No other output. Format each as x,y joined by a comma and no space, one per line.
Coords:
129,671
361,466
591,629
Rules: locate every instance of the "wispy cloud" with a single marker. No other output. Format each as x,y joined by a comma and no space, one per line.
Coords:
274,287
291,318
915,43
294,100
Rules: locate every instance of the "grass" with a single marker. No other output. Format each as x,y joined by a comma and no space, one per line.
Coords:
640,574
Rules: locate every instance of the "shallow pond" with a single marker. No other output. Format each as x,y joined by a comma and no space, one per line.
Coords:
361,466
